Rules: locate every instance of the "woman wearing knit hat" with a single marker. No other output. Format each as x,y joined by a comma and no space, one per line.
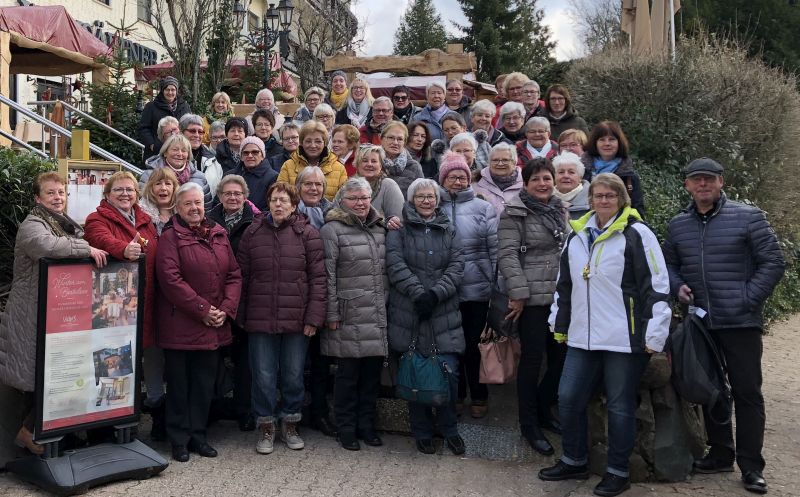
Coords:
167,103
256,170
477,231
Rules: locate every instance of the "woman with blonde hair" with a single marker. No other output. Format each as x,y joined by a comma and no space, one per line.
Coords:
158,196
175,154
359,102
387,198
219,109
313,151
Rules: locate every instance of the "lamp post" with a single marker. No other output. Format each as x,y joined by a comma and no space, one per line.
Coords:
275,22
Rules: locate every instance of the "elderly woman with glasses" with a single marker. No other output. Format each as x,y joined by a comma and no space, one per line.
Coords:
355,260
425,263
175,154
311,99
502,180
324,113
530,99
387,198
399,165
571,188
512,120
264,126
537,142
455,98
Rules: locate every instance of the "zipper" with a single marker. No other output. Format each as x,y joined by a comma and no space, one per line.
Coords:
633,326
703,272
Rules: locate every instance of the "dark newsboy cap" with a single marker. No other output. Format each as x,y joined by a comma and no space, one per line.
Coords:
703,165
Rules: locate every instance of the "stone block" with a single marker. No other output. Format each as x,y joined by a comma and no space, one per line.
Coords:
645,426
657,373
673,443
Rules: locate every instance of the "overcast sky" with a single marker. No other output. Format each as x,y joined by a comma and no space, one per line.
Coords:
382,17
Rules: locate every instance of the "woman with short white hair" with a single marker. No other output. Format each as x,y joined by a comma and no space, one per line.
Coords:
481,116
501,180
571,188
512,121
537,142
465,145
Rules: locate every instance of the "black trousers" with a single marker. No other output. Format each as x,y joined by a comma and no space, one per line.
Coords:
534,397
190,378
355,393
742,349
319,382
473,320
242,377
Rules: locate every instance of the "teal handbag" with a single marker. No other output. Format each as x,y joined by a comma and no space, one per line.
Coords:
424,380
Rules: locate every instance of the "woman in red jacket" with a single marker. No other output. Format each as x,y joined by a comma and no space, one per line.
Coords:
120,227
284,297
199,285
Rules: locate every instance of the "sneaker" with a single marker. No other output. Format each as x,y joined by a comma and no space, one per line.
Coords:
265,442
290,436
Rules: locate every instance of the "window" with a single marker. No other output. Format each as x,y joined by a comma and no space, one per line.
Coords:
252,22
144,10
104,2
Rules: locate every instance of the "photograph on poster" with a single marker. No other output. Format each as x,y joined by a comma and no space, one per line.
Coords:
113,373
114,301
85,183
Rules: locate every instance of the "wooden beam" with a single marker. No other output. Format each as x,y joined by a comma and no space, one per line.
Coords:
454,49
430,63
5,90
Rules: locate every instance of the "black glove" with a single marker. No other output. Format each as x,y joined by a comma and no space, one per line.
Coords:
425,303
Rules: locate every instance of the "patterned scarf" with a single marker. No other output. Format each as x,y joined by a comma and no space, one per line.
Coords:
357,113
61,224
550,213
233,219
183,174
504,182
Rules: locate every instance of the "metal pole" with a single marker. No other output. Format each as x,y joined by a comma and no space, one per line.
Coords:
92,119
672,27
21,143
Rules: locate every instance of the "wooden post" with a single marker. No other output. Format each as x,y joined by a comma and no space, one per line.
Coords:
452,49
80,144
5,90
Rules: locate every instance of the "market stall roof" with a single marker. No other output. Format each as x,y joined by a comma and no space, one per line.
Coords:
46,41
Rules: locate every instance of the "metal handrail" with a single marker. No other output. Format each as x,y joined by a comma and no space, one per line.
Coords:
90,118
65,132
22,143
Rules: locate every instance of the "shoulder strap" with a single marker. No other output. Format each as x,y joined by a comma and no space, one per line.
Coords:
629,183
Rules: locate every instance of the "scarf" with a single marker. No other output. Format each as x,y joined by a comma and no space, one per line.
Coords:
357,113
605,166
338,99
570,195
550,214
129,216
316,215
233,219
439,113
212,116
203,230
504,182
399,164
404,115
60,224
184,174
539,152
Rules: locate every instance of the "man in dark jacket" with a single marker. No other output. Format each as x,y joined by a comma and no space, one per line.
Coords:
379,117
723,257
167,103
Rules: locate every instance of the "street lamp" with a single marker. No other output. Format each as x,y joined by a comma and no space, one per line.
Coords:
275,23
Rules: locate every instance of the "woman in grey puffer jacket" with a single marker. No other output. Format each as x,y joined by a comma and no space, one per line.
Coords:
355,261
475,223
426,265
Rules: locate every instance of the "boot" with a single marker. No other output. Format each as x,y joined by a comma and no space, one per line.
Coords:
265,444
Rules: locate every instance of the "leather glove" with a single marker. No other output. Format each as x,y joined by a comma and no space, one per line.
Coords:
424,304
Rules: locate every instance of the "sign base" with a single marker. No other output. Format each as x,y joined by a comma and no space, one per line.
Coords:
76,471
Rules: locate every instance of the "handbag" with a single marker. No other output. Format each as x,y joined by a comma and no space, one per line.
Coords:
499,358
498,302
420,379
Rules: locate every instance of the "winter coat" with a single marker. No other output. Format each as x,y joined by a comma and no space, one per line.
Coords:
148,124
217,214
731,261
225,156
283,276
613,294
524,155
464,108
626,172
335,175
107,229
18,322
475,223
277,161
406,115
403,176
370,135
514,137
272,148
193,275
422,256
488,190
529,276
387,199
434,126
355,262
196,176
258,180
209,167
570,120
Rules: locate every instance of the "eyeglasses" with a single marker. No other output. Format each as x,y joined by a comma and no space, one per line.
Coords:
394,138
455,90
246,153
531,92
280,200
515,89
425,198
512,117
232,194
537,131
557,99
123,190
193,131
263,125
605,196
400,98
500,161
356,200
457,179
291,138
381,111
309,184
324,118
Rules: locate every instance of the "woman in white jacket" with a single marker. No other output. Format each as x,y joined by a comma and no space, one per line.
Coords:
611,307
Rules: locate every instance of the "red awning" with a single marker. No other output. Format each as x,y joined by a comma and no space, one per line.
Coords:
46,41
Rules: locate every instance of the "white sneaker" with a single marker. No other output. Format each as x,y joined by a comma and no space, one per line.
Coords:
265,442
290,436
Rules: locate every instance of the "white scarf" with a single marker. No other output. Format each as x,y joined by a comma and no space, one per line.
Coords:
539,153
570,195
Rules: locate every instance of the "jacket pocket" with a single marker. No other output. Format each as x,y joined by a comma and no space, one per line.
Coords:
346,302
632,315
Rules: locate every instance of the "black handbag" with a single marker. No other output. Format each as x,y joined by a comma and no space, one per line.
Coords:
424,380
498,302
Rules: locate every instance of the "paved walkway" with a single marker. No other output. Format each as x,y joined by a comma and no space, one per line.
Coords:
324,469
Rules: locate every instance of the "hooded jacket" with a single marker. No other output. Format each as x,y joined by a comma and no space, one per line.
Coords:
335,174
612,294
475,223
355,264
425,256
283,276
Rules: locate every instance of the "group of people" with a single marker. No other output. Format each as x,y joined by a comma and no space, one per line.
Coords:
366,227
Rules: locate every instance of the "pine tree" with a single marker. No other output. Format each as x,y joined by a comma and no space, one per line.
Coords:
420,29
506,36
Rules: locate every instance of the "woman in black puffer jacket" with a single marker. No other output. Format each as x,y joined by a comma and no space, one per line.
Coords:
167,103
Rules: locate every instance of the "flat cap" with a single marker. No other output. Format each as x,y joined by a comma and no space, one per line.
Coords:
704,165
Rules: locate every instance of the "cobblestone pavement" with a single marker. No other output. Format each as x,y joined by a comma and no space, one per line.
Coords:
324,469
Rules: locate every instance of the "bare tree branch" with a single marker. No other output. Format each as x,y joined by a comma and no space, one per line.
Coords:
598,22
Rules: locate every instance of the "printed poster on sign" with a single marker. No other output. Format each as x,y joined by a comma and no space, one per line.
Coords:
87,348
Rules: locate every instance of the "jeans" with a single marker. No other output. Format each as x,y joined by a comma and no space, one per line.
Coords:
742,349
425,419
473,320
534,397
275,357
355,393
620,374
190,375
